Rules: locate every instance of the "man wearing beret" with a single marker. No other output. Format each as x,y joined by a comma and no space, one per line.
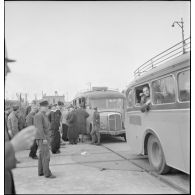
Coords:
41,122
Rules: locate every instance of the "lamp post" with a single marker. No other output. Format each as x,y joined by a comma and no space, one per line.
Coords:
180,24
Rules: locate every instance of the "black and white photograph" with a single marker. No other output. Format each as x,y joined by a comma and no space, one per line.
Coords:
97,97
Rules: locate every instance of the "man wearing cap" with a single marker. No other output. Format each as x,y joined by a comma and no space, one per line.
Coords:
12,122
96,127
41,122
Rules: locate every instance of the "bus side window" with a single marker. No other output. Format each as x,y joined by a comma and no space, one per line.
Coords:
139,92
163,90
184,86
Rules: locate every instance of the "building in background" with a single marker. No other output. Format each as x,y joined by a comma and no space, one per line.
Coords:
53,99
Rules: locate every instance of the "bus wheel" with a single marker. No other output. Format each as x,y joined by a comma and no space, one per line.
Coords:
124,135
156,155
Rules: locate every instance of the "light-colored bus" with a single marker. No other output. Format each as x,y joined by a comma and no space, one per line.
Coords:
110,104
163,132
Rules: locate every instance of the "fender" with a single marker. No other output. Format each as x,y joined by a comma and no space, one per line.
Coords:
147,133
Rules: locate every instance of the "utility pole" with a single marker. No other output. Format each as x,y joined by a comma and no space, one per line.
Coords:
181,25
89,84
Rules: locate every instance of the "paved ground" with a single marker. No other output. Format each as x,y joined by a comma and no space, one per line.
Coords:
85,168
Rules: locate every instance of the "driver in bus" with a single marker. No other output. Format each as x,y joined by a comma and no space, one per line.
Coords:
145,99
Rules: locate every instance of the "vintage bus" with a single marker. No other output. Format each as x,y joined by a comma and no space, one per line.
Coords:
110,104
163,132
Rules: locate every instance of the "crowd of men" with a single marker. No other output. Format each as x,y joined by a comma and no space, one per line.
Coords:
42,127
56,124
45,127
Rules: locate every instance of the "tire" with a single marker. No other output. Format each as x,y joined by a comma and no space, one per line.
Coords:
156,155
124,135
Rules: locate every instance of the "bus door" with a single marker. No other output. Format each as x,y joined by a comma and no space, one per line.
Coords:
183,80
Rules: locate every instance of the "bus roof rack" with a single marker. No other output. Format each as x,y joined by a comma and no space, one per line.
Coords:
174,51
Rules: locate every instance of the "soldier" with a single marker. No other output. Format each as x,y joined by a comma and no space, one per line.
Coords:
41,122
12,122
95,134
29,122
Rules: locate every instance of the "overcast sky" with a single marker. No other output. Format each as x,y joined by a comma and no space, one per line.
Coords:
62,46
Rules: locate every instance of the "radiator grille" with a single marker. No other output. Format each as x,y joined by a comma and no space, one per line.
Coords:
115,122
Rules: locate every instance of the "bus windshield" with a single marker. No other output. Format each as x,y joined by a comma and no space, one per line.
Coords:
107,103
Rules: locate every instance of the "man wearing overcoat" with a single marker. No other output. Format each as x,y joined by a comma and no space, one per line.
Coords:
41,122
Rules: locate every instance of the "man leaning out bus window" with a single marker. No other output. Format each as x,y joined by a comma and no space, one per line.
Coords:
145,99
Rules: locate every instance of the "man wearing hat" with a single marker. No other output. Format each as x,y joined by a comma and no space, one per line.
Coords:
41,122
19,142
96,127
12,122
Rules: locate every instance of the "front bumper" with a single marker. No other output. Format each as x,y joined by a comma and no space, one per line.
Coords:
117,132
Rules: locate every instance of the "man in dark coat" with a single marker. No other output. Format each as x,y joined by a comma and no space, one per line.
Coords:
72,127
54,119
29,122
82,116
42,137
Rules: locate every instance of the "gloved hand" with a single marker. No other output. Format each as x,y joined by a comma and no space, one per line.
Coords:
24,138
